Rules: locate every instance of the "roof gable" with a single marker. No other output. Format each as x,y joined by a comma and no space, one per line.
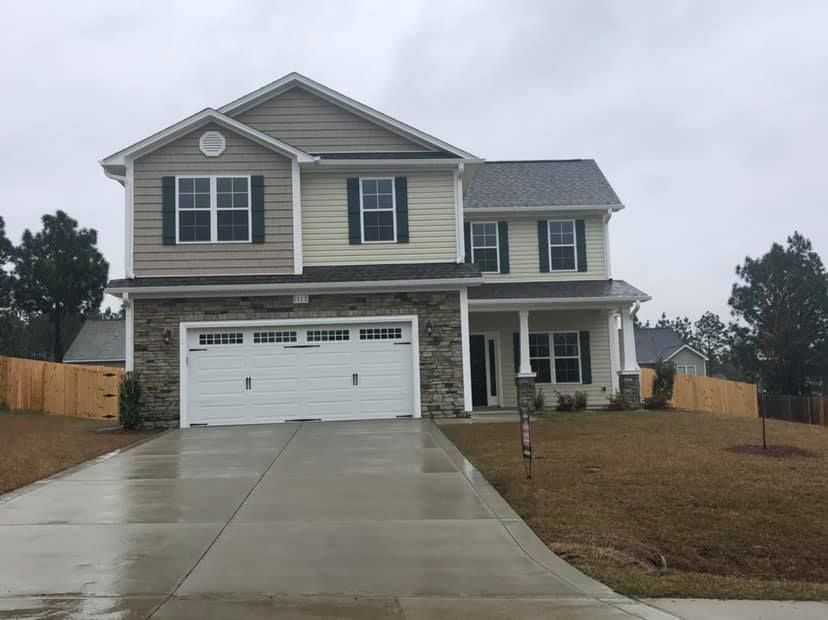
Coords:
355,109
191,123
655,343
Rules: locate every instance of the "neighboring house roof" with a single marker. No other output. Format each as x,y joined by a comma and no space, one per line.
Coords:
315,277
654,343
293,80
594,290
208,115
537,184
98,341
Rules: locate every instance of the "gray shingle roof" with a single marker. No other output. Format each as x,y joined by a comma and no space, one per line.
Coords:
652,343
318,275
98,341
572,182
563,290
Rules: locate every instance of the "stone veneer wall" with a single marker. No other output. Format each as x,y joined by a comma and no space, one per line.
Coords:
441,365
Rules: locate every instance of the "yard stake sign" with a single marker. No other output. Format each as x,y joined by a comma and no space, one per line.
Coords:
526,440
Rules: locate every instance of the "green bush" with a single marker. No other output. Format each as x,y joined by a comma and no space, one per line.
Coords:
580,401
129,401
566,402
665,376
539,402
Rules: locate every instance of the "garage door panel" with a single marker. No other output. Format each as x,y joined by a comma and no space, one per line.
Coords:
300,372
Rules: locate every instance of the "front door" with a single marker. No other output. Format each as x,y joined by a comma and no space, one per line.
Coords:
484,369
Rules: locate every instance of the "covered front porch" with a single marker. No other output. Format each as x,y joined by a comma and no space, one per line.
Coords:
565,343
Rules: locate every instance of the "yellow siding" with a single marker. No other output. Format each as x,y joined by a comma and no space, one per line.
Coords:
431,220
524,264
317,126
593,321
153,258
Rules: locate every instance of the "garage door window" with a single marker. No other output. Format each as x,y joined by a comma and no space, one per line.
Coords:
273,337
328,335
221,338
380,333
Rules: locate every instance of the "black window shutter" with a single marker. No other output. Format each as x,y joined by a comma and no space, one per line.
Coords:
401,193
516,344
354,225
168,210
467,239
580,244
543,245
503,242
257,208
586,358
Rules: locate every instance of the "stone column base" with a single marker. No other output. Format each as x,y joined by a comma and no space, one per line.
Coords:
525,393
630,386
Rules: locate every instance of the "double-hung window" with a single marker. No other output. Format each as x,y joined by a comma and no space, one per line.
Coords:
562,253
686,369
555,357
377,204
485,250
212,209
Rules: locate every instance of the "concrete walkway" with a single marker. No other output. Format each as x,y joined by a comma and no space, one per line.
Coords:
703,609
381,519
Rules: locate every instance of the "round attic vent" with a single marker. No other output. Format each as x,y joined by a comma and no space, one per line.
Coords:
212,143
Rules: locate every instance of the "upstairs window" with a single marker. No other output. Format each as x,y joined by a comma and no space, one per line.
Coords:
211,209
377,210
485,250
562,254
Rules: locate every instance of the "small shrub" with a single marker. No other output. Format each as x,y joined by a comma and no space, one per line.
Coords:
619,402
651,402
129,401
539,402
580,401
665,376
566,402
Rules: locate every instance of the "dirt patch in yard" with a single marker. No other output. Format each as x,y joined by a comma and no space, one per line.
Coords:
656,504
777,452
37,445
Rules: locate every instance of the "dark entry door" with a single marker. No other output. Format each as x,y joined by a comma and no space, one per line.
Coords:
477,353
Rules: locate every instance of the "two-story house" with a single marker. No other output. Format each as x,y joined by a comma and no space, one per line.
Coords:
296,254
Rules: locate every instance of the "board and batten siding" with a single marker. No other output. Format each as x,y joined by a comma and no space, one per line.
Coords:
431,220
506,324
317,126
524,264
241,157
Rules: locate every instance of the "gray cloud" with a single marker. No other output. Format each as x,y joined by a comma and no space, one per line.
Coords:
708,118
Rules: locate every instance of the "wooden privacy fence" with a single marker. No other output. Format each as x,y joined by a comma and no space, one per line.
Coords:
805,409
64,389
707,394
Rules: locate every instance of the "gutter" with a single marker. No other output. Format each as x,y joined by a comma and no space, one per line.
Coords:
543,209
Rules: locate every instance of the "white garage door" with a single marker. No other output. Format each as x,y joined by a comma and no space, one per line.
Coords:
254,375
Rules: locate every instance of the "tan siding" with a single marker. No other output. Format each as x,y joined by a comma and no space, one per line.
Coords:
152,258
524,263
593,321
316,125
431,220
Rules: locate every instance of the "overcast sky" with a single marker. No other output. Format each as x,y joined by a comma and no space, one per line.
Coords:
710,119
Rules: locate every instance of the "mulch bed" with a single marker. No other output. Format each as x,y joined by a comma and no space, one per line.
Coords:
37,445
661,504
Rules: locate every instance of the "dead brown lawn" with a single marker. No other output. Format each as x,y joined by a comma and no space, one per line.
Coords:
36,445
655,504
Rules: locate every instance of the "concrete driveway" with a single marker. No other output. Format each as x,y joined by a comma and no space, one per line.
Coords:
381,519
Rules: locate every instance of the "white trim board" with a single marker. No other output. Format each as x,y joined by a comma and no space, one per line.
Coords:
515,210
307,287
183,326
294,79
682,348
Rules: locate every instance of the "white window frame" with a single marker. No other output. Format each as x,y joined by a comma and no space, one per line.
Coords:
214,208
393,210
552,357
685,367
486,247
573,245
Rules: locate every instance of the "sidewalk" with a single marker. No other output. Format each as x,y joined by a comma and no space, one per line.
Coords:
704,609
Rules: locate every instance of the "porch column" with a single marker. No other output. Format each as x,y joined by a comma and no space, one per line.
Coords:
630,363
465,350
614,346
525,368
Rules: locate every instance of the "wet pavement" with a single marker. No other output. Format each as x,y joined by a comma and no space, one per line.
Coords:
379,519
